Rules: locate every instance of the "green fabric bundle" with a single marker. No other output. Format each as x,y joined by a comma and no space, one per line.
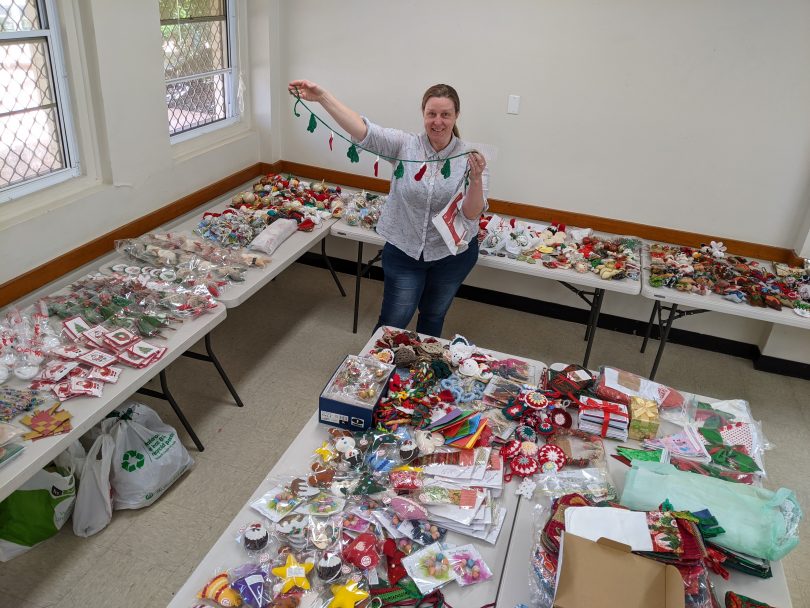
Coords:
757,522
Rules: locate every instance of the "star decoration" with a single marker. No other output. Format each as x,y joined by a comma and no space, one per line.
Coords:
347,596
294,574
325,453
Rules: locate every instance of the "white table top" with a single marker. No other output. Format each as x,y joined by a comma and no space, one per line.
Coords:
227,553
255,278
715,302
358,233
88,411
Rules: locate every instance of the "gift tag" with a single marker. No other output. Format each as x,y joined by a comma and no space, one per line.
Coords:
75,327
109,374
95,336
70,351
56,370
98,358
120,338
85,386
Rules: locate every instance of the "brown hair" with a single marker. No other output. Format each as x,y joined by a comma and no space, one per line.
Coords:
443,90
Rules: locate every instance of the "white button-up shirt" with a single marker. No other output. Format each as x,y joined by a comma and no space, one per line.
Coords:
406,216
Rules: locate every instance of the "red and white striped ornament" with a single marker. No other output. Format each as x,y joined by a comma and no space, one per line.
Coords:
331,139
421,173
377,167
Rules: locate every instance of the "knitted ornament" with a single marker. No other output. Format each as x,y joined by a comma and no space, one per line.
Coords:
545,428
525,433
529,448
561,418
536,400
405,356
524,466
514,412
440,369
377,167
511,449
552,454
421,173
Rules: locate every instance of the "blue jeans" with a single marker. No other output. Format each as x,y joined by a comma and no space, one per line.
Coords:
429,286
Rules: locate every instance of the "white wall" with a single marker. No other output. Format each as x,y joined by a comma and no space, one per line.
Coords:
681,113
130,169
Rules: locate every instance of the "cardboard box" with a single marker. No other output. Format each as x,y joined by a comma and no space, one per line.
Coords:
605,574
343,402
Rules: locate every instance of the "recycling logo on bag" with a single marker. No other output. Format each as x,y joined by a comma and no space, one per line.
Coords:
132,460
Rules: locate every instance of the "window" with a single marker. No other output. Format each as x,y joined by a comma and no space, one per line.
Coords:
199,59
37,146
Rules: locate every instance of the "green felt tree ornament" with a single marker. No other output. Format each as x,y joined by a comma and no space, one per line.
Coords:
313,122
446,169
352,154
400,170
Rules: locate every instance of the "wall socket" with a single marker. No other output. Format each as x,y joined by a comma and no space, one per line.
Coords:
513,104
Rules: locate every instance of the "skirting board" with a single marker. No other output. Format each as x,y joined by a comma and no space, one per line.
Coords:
624,325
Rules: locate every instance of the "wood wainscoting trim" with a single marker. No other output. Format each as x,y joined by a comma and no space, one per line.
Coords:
545,214
42,275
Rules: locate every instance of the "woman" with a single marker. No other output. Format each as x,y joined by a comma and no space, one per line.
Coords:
420,271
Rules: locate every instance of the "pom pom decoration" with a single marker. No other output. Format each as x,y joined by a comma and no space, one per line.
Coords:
219,591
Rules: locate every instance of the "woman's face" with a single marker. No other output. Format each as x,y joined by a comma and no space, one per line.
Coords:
440,117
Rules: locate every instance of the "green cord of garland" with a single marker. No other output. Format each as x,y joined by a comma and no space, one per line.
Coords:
400,171
313,122
352,154
315,117
446,169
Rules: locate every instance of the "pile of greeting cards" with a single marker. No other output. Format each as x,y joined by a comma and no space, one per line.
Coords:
291,198
557,246
709,269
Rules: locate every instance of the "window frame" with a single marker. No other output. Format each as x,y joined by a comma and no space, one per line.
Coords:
232,113
50,30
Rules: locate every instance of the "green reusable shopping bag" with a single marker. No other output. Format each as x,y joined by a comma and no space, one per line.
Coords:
36,510
757,522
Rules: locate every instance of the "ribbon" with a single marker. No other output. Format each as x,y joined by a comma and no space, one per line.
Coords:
606,407
645,410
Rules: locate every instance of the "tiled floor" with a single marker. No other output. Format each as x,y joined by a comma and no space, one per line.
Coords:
279,348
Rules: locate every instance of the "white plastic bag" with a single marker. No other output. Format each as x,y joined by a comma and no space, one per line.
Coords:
269,239
93,500
147,459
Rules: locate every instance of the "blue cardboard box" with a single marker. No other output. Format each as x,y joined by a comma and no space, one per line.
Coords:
349,398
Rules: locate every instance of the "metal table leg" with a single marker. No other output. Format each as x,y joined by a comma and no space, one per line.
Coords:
655,311
596,307
166,395
361,272
212,358
329,266
663,340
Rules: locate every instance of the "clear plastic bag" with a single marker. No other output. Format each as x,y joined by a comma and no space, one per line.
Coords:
543,565
733,438
593,483
618,385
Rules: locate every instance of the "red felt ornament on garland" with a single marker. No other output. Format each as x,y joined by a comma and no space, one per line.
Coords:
331,139
421,173
377,167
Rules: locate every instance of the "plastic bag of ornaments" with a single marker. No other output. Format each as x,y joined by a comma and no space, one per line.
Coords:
184,291
22,344
232,228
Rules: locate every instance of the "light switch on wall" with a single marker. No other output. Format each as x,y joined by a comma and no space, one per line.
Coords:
513,104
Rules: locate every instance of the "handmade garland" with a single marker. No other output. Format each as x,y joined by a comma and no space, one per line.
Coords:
354,156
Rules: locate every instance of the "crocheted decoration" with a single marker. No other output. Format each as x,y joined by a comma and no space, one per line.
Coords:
524,466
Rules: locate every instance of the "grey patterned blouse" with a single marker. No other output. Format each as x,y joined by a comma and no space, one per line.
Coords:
406,217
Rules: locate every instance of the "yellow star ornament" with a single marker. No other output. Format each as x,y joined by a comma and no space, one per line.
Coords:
294,574
325,453
347,596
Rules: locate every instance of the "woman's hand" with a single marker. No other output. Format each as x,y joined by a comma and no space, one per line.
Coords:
476,162
306,90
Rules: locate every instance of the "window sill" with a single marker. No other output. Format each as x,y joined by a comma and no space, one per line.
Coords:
196,144
39,203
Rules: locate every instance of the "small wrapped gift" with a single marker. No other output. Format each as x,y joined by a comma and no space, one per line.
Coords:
644,419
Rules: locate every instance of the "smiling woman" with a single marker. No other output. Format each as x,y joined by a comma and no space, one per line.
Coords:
420,271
